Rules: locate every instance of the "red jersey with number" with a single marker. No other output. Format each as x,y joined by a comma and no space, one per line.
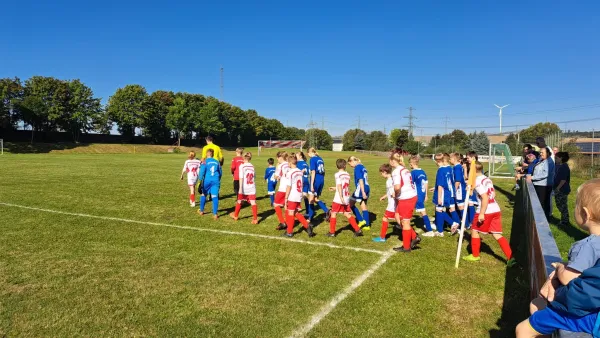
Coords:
483,185
294,177
401,176
236,162
342,178
247,177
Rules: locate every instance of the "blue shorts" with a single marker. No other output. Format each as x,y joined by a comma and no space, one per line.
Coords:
211,188
305,187
271,187
357,195
460,201
547,321
318,185
420,203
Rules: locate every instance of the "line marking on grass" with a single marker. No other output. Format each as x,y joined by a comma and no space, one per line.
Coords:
327,308
223,232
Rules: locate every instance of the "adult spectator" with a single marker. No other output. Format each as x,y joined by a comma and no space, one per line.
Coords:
218,155
562,186
555,151
541,143
543,179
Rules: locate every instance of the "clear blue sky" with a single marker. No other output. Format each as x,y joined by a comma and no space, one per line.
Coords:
335,59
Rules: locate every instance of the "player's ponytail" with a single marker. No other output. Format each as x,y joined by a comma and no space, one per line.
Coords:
313,151
284,155
301,155
353,159
248,156
396,157
191,155
292,159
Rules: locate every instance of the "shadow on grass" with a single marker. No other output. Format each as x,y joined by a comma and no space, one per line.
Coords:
39,148
516,283
569,229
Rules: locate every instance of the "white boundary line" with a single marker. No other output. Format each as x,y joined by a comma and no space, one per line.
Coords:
223,232
325,310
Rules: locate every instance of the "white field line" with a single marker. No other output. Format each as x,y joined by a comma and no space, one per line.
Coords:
223,232
325,310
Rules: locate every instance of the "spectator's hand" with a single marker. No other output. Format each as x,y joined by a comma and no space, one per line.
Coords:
529,179
481,218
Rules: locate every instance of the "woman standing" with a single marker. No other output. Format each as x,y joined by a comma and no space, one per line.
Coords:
562,185
543,179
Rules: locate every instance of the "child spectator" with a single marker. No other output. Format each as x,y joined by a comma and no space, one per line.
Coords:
548,317
562,185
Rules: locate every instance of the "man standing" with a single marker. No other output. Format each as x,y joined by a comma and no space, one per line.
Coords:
218,155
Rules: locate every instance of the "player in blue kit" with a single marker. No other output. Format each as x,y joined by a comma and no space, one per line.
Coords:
460,185
443,194
317,182
361,194
419,179
270,179
303,167
210,174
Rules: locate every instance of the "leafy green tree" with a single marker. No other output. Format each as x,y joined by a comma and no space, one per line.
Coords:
154,116
377,141
322,139
209,122
293,133
513,144
541,129
360,141
11,95
83,110
33,113
413,147
126,108
350,137
479,143
401,137
54,94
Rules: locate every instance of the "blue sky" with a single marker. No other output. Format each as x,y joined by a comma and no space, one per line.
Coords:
336,60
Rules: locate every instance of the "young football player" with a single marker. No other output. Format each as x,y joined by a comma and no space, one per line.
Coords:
235,164
460,186
192,168
361,194
317,182
390,212
282,169
303,167
210,174
341,200
488,219
270,179
471,157
443,194
247,189
293,198
419,178
406,196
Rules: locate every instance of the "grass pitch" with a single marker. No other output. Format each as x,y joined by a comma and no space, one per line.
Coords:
65,274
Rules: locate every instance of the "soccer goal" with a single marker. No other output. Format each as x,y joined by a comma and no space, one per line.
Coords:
500,164
1,146
280,144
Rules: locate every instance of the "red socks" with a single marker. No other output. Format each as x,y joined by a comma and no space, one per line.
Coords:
406,238
279,214
238,206
476,246
413,234
302,220
352,221
192,198
384,226
290,223
332,222
255,212
505,247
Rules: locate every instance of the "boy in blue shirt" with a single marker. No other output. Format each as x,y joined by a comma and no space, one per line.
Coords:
419,179
460,186
210,174
317,182
270,179
443,195
583,255
361,194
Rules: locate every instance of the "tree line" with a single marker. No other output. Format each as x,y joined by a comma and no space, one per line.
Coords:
48,104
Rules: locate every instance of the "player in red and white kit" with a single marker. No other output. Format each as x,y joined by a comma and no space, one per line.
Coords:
282,169
247,188
341,201
488,218
293,198
192,168
390,194
406,196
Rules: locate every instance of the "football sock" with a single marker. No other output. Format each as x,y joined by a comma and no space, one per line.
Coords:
311,210
323,206
202,202
447,218
279,214
357,213
332,222
471,215
306,205
290,223
427,223
192,198
475,246
272,197
238,207
439,221
302,220
255,212
406,239
366,217
352,221
505,247
454,216
215,204
384,227
413,234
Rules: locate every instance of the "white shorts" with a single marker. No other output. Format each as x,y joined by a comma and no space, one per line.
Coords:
192,181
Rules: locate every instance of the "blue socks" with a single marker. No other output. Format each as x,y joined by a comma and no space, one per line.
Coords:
427,223
357,214
202,202
439,221
454,216
306,207
311,210
323,206
215,202
470,216
366,217
272,197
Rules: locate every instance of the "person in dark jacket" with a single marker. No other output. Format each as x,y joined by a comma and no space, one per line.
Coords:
572,290
562,185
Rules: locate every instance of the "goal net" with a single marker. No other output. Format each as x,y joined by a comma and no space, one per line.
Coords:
280,144
501,163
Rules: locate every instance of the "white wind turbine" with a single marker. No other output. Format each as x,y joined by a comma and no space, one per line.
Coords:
497,106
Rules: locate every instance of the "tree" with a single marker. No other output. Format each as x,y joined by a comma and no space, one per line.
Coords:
126,108
11,95
377,141
360,141
83,110
319,139
349,139
33,113
541,129
399,137
209,122
513,144
413,147
154,116
479,143
54,96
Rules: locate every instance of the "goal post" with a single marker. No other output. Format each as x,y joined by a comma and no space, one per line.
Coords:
1,146
280,144
501,163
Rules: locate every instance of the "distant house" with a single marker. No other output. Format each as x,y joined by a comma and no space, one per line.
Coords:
337,144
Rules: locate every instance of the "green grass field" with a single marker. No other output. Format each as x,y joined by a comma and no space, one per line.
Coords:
148,265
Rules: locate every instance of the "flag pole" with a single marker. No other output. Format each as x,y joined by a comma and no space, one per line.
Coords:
470,187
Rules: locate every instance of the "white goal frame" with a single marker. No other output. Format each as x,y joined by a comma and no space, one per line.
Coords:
1,146
497,162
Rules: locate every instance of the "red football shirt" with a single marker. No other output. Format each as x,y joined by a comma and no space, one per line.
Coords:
235,165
